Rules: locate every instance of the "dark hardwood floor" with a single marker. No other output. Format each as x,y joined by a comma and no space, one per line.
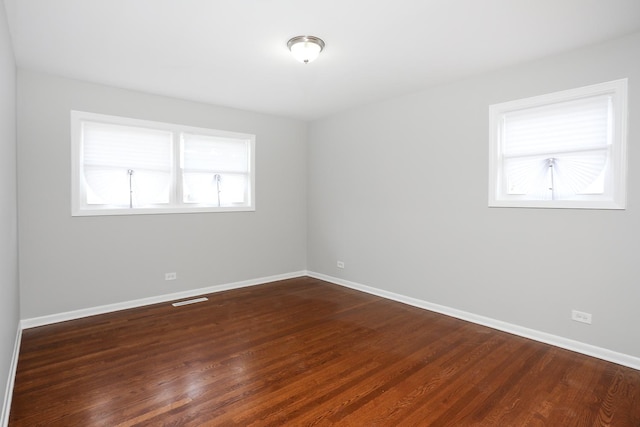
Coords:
305,352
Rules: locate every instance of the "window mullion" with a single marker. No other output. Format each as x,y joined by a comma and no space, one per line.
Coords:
176,192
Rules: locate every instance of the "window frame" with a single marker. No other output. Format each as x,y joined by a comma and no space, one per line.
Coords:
79,207
614,196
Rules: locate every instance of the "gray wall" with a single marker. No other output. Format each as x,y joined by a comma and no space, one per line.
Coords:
81,262
398,191
9,304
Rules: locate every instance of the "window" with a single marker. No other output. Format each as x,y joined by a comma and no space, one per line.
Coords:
126,166
561,150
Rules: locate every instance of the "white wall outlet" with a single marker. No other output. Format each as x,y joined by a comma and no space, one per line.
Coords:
340,264
170,276
580,316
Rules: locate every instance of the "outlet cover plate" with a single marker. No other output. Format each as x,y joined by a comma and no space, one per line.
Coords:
581,316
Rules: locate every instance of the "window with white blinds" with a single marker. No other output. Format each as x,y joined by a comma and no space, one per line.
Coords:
125,166
562,150
129,166
215,170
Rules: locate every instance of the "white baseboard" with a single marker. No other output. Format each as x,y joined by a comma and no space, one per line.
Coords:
86,312
558,341
8,394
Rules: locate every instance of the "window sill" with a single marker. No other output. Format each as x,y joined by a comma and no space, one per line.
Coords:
159,211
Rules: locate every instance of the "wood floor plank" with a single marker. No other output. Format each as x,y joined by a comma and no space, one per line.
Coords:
305,352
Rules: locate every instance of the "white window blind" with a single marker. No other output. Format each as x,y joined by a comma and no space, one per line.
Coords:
215,170
558,151
126,166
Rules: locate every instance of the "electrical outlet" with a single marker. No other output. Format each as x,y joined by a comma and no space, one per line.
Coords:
170,276
340,264
580,316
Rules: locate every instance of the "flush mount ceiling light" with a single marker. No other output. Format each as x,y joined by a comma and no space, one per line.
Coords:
305,48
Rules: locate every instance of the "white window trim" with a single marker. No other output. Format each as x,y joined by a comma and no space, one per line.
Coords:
77,207
618,161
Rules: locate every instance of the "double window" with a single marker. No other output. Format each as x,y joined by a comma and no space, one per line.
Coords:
561,150
129,166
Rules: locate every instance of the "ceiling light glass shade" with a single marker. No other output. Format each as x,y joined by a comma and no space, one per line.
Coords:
305,48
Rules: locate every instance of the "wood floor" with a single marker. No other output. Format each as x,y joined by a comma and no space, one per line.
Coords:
305,352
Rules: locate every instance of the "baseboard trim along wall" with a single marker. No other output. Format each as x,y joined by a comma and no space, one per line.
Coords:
577,346
77,314
8,394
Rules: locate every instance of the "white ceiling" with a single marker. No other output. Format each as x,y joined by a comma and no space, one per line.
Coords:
233,52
